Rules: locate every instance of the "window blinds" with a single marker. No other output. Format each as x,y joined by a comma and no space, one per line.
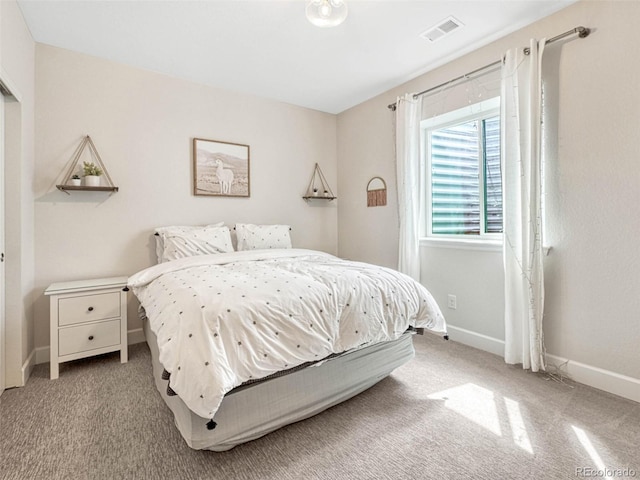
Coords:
464,157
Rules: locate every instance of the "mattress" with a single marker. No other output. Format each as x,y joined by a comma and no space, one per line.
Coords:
226,319
247,413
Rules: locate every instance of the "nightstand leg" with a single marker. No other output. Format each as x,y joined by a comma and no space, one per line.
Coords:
124,327
53,336
54,370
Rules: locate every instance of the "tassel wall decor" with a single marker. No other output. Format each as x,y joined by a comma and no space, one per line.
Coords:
376,192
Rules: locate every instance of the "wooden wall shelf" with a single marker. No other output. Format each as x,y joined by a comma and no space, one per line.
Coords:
318,197
66,186
319,186
76,188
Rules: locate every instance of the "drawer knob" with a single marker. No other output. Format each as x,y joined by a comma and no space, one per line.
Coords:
90,309
90,337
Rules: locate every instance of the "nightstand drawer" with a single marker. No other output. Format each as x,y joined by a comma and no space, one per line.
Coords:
88,337
88,308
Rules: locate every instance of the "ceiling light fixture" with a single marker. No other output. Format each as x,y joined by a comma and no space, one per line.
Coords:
326,13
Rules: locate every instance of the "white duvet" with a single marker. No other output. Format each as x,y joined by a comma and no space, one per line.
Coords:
227,318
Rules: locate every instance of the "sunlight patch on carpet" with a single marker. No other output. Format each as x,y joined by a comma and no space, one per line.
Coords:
591,450
474,403
518,428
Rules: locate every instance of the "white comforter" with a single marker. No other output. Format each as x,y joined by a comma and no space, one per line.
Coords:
227,318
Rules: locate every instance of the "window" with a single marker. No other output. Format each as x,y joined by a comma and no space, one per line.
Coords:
463,175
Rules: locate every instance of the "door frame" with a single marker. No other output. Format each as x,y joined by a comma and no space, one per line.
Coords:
3,359
9,334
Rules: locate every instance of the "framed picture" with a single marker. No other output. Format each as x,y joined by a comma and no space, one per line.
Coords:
220,169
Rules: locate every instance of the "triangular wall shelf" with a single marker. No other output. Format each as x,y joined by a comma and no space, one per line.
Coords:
67,186
318,187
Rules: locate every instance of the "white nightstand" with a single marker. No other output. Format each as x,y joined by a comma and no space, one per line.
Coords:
88,317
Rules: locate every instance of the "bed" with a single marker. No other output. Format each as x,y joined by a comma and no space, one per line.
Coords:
244,342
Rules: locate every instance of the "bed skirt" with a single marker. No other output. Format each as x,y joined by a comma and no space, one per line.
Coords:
249,413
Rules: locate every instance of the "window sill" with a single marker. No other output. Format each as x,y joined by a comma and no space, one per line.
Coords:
466,244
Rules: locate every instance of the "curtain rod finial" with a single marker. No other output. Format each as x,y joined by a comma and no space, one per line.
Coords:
583,32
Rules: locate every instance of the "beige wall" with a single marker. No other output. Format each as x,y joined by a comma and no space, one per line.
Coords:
593,192
142,124
17,53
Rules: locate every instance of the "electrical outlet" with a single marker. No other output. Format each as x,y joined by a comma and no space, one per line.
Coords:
452,302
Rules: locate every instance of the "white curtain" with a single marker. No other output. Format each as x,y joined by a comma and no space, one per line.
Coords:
522,184
408,110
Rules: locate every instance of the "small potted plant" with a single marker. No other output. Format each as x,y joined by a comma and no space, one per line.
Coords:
92,174
75,180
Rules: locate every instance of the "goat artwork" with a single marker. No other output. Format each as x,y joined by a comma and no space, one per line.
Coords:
225,178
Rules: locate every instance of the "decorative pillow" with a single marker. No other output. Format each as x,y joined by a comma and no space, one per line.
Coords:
255,237
200,241
162,231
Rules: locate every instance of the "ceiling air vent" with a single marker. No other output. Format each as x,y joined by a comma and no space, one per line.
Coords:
442,29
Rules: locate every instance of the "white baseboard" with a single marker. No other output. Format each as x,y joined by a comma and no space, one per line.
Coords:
42,354
27,367
476,340
612,382
135,336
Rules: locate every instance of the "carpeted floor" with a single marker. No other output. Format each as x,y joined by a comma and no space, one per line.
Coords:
451,413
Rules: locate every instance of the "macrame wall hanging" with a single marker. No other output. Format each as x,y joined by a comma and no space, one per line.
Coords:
376,192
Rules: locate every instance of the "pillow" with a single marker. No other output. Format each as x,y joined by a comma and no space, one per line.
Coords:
196,241
254,237
160,232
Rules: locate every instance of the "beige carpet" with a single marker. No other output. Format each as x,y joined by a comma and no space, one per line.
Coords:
452,412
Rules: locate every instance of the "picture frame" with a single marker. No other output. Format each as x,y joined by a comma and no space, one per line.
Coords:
220,169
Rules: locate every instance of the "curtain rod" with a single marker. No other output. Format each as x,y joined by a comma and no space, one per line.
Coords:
581,31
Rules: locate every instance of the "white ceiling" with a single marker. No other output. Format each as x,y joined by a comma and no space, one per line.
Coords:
268,48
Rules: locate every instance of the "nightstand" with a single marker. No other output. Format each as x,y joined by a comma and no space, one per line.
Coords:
88,317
